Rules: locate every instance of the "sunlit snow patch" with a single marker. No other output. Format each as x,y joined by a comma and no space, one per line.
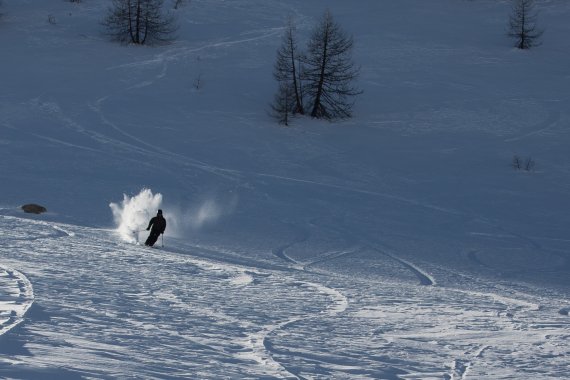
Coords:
133,213
16,297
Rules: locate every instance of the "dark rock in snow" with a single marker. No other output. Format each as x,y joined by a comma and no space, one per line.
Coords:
33,208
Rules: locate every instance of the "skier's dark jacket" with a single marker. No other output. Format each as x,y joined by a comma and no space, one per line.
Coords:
158,224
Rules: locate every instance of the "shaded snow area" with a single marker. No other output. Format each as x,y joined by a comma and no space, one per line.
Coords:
398,244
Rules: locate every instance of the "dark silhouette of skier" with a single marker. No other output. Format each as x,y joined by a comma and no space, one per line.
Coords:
158,224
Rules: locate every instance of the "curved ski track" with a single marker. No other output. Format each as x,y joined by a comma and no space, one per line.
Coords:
255,344
16,297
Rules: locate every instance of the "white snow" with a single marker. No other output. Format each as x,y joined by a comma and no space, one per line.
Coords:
399,244
133,214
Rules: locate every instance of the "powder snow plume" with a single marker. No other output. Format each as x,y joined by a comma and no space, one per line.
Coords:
188,219
133,214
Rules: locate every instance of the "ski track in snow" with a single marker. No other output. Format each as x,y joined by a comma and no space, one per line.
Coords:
254,343
151,150
425,278
340,304
460,367
259,345
181,53
508,313
16,297
210,317
552,121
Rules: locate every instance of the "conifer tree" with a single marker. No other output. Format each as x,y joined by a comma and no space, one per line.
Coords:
282,105
287,68
523,24
329,72
139,22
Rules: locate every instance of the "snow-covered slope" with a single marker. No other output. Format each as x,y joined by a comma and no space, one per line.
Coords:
397,244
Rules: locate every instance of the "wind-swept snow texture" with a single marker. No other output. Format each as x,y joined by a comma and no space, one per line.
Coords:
399,244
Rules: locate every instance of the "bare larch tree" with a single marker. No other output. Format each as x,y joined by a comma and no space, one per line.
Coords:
329,72
287,68
523,24
283,104
139,22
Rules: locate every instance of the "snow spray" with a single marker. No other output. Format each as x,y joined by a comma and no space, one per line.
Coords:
181,221
133,214
208,212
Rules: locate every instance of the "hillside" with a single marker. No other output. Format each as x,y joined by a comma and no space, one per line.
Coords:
398,244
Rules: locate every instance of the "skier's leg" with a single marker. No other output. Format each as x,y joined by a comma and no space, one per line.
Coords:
150,240
153,238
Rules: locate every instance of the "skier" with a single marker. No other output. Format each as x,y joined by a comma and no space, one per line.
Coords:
158,224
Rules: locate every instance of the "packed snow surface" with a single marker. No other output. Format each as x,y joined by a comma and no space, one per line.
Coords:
398,244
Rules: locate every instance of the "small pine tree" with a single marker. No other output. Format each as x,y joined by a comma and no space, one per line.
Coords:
523,24
286,70
139,22
284,103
